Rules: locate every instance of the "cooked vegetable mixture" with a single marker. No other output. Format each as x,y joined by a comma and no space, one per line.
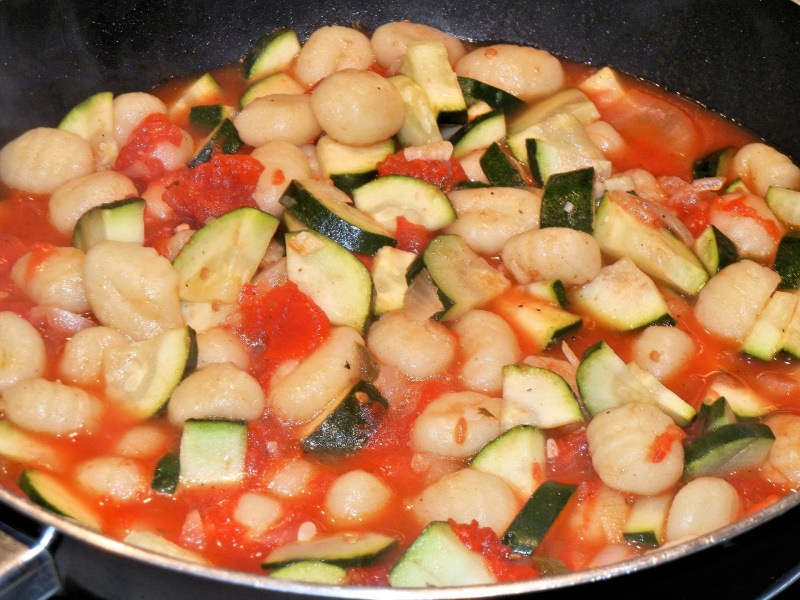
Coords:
395,309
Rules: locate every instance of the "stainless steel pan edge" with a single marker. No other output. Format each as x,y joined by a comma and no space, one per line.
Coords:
740,59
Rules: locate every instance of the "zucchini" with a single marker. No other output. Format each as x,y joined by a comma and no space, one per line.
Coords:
728,448
122,221
499,100
655,250
499,168
479,133
272,53
646,523
517,456
419,125
785,203
223,255
745,402
537,515
312,571
153,542
93,120
787,261
141,375
277,83
203,90
331,276
767,336
346,426
351,166
48,492
622,298
19,446
568,200
791,338
343,549
418,201
539,322
538,397
389,271
167,474
570,101
437,558
212,453
463,278
716,412
223,138
325,212
549,290
714,164
715,250
428,63
209,116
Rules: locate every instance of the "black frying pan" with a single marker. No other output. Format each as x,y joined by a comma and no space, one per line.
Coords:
741,59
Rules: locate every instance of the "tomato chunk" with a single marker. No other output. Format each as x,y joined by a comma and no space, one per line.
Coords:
443,173
140,151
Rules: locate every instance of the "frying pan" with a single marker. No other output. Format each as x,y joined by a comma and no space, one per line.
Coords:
741,59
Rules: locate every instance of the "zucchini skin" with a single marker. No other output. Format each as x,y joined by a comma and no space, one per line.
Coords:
539,513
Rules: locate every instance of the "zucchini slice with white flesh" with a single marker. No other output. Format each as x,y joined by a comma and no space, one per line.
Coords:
272,53
418,201
331,216
500,169
538,321
479,133
277,83
223,137
785,203
389,270
499,100
48,492
622,298
571,101
549,290
538,397
203,90
419,125
141,375
19,446
351,166
312,571
647,520
516,456
343,549
767,336
715,413
212,452
654,249
568,200
122,221
463,278
791,338
427,63
728,448
223,255
346,426
787,261
605,381
437,558
715,250
537,515
331,276
745,402
714,164
153,542
93,120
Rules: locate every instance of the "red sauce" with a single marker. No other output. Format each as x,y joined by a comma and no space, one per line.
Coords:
445,174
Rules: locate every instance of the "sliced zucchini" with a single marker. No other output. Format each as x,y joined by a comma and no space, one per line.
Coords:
539,322
622,298
209,116
141,375
517,456
346,426
496,98
93,120
331,276
418,201
153,542
791,338
668,401
727,449
479,133
500,169
767,336
122,221
389,270
785,203
48,492
715,250
343,549
714,164
716,412
203,90
167,474
19,446
437,558
647,520
570,101
224,255
538,514
655,250
745,402
312,571
606,83
787,261
549,290
419,125
568,200
212,453
272,53
351,166
223,138
277,83
538,397
463,278
428,63
323,211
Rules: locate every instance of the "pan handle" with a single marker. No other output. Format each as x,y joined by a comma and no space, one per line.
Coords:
27,568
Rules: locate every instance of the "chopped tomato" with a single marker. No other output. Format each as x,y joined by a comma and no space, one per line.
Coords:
497,555
739,206
411,237
664,441
445,174
213,188
140,151
571,460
